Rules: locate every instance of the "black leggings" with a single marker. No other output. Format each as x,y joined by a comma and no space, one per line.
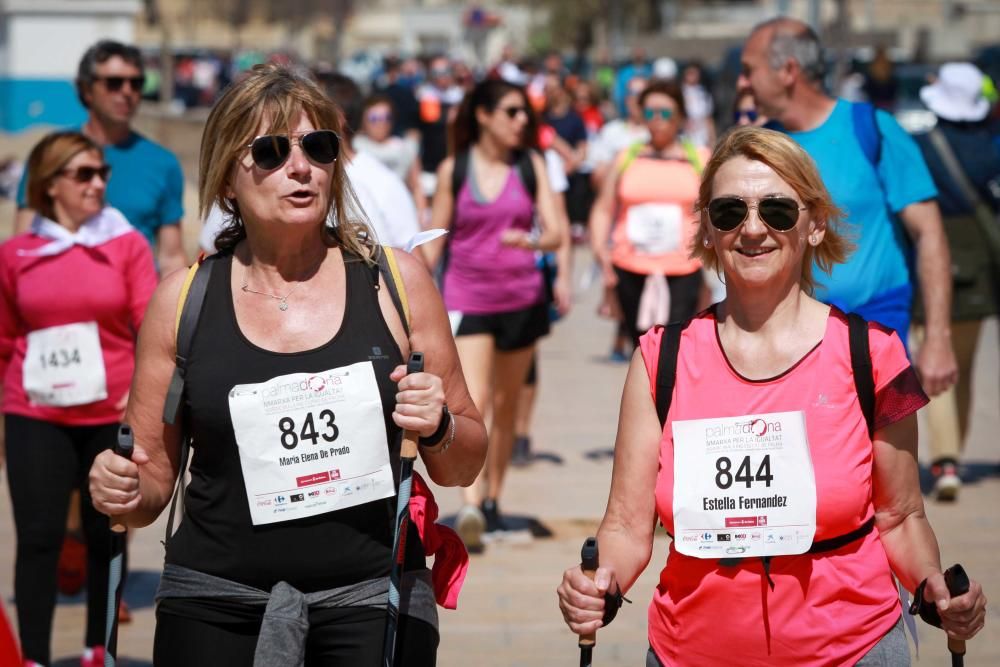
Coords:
346,637
684,292
45,462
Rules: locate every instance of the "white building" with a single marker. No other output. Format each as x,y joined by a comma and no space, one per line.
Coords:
41,42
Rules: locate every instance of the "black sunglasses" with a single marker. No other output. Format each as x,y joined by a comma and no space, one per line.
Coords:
86,174
749,114
512,112
271,150
116,83
778,213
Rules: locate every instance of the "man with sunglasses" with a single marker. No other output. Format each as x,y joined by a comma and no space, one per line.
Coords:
877,175
148,184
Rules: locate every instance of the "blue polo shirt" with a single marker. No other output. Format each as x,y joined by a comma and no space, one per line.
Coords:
146,184
875,282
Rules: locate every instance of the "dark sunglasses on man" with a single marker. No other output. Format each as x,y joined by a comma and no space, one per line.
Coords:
270,151
116,83
750,114
779,213
86,174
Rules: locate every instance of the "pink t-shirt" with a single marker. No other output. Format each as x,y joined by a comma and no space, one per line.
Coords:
110,285
825,609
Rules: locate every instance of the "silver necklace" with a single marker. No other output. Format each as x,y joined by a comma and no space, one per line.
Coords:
282,300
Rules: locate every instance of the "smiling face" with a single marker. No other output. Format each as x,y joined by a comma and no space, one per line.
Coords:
768,86
295,193
753,255
75,201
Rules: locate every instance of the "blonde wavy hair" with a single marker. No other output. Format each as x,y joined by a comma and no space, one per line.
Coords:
794,166
278,95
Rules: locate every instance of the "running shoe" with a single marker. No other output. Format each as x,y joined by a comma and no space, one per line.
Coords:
521,455
494,523
618,357
469,524
92,657
946,480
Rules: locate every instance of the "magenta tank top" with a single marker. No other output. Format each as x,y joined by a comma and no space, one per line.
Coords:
483,276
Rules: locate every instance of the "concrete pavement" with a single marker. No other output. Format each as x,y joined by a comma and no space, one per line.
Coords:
508,614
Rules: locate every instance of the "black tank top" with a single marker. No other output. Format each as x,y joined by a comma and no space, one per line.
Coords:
216,535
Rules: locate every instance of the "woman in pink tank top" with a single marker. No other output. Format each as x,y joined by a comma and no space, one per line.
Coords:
787,479
487,197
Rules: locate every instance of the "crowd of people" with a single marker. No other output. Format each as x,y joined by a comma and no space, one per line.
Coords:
790,287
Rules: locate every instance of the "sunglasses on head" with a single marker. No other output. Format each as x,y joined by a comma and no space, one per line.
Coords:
779,213
271,150
662,114
513,112
116,83
86,174
750,114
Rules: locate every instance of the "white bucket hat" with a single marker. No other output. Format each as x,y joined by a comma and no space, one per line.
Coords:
957,94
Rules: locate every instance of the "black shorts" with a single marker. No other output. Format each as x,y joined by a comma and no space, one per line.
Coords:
511,330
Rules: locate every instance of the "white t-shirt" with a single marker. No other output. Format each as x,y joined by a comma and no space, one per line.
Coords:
386,203
555,168
615,137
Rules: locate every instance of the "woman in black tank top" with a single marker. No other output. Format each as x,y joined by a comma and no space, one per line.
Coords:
295,399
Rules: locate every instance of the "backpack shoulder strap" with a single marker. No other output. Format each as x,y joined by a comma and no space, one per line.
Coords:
632,152
189,306
666,369
861,367
866,131
389,268
526,170
691,153
459,171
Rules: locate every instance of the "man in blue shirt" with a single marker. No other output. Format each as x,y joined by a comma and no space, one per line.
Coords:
146,183
888,200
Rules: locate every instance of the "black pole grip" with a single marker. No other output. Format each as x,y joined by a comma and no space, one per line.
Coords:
957,581
415,364
589,562
125,443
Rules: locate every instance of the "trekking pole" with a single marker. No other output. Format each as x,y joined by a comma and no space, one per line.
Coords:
407,455
588,563
958,584
122,447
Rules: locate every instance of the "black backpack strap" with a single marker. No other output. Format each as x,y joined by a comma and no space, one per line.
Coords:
526,170
458,172
861,367
666,369
192,301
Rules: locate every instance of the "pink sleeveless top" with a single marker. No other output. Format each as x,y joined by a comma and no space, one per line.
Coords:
484,276
828,608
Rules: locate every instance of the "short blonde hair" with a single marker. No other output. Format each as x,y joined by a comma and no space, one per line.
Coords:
49,157
278,94
794,166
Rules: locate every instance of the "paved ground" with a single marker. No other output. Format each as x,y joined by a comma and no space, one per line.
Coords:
508,614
